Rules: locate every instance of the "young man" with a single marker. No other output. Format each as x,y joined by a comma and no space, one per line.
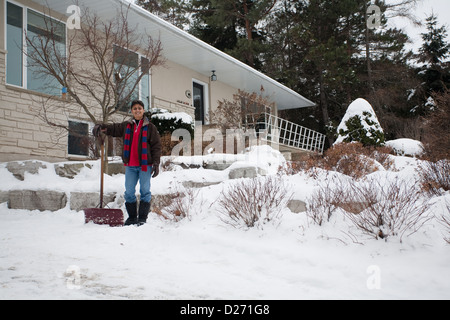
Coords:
141,156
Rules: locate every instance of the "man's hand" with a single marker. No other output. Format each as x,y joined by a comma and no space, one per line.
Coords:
155,170
98,129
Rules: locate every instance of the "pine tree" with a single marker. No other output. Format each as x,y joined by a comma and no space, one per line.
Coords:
173,11
244,16
435,72
435,49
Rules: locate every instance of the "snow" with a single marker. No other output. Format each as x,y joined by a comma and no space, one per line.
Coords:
165,115
55,255
406,147
358,108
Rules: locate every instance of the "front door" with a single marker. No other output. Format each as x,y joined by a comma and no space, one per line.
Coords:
199,102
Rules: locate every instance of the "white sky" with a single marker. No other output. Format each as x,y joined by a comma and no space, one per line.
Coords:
441,8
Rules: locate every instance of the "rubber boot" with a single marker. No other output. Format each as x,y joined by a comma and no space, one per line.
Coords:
132,213
144,209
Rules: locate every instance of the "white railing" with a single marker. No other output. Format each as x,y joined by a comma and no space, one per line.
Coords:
281,131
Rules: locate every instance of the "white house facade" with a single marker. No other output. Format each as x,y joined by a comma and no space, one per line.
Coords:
194,78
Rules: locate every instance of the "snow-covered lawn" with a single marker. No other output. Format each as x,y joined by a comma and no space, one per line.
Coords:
55,255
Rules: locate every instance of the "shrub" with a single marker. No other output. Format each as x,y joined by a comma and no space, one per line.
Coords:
435,177
445,221
254,202
357,131
378,208
352,159
169,125
177,206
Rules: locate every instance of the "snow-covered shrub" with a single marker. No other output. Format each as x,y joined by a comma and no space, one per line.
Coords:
361,124
254,202
435,177
445,221
378,208
167,122
177,206
325,201
392,208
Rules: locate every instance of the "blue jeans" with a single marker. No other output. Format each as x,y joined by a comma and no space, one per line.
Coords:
132,176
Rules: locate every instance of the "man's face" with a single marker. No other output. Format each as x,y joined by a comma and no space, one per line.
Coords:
137,111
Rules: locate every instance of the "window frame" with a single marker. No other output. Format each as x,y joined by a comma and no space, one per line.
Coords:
89,129
24,42
140,87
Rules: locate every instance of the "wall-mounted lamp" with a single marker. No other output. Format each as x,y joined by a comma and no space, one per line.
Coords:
213,76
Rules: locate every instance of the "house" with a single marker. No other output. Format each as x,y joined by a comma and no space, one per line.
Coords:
194,78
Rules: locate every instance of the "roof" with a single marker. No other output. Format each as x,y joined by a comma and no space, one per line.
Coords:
187,50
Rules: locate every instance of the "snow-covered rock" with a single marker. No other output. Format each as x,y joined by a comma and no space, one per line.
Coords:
406,147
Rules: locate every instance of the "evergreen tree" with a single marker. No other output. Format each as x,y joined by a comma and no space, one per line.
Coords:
173,11
435,49
435,72
244,16
208,26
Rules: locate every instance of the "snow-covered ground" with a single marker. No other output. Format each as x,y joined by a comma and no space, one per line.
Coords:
55,255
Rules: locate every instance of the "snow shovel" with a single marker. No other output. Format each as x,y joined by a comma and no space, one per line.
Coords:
103,216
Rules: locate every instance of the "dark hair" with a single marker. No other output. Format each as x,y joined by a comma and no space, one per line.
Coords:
137,102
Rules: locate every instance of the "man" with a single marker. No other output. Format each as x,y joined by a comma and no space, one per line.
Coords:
141,157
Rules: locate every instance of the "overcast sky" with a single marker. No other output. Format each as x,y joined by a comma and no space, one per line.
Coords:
441,8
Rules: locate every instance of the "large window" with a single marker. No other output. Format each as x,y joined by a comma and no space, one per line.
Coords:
21,70
129,65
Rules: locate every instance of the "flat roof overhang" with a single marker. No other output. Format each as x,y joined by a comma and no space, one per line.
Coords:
187,50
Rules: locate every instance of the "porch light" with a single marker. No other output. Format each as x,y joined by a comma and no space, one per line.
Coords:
214,77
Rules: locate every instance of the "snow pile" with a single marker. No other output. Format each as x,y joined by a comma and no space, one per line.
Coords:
408,147
263,157
54,255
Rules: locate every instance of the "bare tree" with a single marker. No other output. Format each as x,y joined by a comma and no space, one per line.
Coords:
100,67
245,109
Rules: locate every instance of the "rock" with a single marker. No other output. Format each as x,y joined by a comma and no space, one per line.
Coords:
218,165
18,169
297,206
198,185
4,196
246,172
115,168
70,170
84,200
42,200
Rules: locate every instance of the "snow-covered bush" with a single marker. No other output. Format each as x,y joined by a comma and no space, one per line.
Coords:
178,205
361,124
168,122
445,221
435,177
352,159
379,209
254,202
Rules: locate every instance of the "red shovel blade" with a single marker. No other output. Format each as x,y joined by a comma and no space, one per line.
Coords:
111,217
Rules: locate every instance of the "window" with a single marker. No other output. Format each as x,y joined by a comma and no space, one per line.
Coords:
129,65
20,71
14,44
78,138
38,29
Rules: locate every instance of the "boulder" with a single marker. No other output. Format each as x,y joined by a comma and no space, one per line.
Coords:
297,206
18,169
70,170
246,172
42,200
83,200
